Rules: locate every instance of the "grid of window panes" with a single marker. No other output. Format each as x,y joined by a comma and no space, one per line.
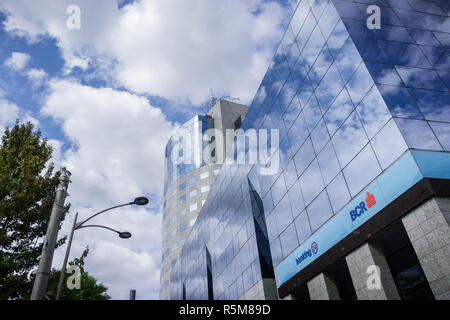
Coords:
348,101
409,60
190,151
226,229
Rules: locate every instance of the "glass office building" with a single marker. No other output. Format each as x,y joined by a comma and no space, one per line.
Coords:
364,123
188,177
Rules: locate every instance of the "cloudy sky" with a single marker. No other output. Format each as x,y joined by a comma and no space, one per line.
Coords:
108,96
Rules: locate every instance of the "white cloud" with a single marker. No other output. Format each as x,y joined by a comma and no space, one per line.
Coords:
175,49
36,76
9,112
118,138
17,61
118,153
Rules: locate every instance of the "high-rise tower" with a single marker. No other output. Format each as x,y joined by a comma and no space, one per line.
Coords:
188,176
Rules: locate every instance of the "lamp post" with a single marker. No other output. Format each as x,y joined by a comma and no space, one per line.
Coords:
48,247
140,201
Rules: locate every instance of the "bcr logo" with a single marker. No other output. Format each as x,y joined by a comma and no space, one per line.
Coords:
370,200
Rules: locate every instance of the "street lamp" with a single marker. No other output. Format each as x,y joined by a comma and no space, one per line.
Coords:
140,201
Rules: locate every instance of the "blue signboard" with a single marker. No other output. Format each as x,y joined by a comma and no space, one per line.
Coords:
398,178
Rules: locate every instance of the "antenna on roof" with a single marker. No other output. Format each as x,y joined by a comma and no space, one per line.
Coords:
213,98
230,99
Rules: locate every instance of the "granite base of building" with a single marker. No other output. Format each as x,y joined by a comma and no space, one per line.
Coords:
323,287
429,232
265,289
370,274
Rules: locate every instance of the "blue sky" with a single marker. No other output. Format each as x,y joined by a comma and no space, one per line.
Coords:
109,95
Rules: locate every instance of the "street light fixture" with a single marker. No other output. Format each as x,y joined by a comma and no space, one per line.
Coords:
124,235
140,201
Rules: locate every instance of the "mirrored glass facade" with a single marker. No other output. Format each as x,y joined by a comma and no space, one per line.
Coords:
348,101
188,177
188,148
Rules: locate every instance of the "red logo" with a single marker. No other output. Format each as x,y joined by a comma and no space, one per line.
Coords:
370,200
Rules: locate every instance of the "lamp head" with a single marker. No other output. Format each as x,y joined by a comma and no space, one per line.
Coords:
124,235
140,201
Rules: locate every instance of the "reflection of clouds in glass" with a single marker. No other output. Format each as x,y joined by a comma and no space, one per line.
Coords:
445,77
443,38
423,37
296,198
426,6
361,170
320,66
291,113
318,6
348,59
298,133
393,33
359,84
442,131
313,47
404,54
278,189
420,78
418,134
384,73
329,87
288,239
304,91
286,94
338,193
311,182
283,213
388,144
349,139
319,211
337,38
319,136
260,96
438,57
328,163
400,102
306,30
302,226
373,112
290,173
299,16
433,104
341,107
304,156
328,20
285,152
312,112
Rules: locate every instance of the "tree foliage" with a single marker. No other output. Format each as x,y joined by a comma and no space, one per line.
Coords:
89,289
27,191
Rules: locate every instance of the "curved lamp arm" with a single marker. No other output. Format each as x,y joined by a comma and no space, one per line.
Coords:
122,234
79,224
98,226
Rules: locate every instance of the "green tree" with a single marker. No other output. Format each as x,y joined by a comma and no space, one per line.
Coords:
27,191
89,288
